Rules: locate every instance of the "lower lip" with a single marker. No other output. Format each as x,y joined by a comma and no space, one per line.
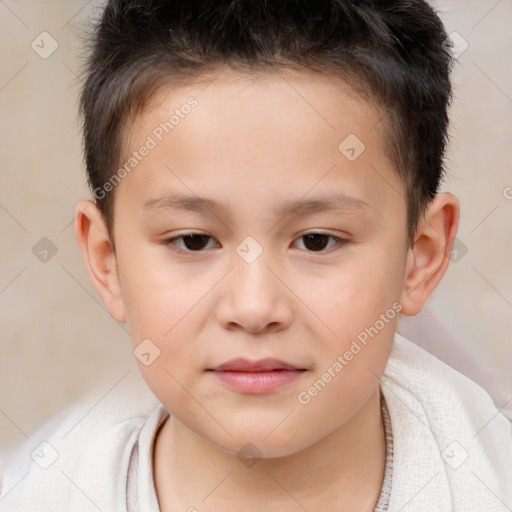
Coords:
257,382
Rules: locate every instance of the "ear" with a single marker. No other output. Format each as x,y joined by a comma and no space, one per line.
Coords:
429,255
100,259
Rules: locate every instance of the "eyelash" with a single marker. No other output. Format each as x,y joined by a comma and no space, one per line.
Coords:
169,242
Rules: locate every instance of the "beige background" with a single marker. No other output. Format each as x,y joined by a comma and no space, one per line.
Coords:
58,342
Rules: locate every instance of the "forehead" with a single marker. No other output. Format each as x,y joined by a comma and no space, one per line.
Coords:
276,134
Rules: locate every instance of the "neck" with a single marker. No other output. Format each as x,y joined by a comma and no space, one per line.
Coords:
343,471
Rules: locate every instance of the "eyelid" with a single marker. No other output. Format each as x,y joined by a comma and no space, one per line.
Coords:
340,241
168,242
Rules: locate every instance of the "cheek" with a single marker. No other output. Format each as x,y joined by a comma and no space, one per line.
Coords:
360,291
155,294
165,319
359,306
166,305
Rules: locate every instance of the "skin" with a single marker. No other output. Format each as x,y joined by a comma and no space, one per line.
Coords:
251,143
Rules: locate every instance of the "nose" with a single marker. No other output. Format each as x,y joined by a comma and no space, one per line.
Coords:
254,298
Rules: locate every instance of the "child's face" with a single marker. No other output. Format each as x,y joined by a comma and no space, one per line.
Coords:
253,146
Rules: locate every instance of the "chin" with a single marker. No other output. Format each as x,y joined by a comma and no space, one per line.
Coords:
259,444
250,452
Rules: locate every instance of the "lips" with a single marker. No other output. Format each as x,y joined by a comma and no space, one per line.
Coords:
261,365
256,377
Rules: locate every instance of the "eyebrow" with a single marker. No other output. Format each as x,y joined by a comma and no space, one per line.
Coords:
330,202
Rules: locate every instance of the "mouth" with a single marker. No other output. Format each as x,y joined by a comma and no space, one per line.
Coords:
256,377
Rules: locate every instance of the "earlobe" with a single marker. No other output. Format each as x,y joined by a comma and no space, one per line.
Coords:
429,255
100,260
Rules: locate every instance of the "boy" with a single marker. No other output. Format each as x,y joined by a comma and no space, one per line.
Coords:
224,141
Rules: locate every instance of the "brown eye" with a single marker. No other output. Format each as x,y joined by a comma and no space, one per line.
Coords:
192,242
195,242
318,242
